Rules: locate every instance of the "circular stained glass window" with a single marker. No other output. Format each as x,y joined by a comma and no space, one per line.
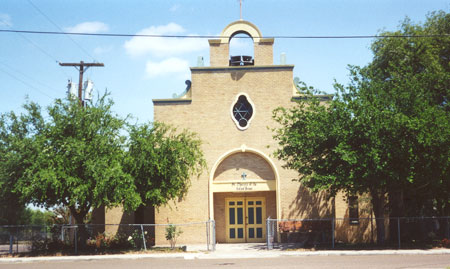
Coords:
242,112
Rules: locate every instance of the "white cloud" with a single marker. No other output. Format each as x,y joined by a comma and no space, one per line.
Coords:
163,47
5,20
170,66
90,27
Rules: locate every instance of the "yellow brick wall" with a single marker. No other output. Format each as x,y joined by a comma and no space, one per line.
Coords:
116,216
364,231
219,54
214,91
263,53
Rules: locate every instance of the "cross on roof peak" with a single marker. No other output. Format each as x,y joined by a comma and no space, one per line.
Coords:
240,8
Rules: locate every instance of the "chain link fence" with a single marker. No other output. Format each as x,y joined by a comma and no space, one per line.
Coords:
361,233
100,238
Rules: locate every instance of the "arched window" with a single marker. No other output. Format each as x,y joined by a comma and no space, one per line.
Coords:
241,50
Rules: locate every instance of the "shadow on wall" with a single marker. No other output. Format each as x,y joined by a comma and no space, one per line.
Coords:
237,75
308,205
355,231
143,215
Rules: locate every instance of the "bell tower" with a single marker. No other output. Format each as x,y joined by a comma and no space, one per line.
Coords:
219,49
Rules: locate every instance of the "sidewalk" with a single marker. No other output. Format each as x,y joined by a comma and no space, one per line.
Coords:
231,251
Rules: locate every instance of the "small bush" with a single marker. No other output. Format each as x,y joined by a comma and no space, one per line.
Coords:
135,239
172,234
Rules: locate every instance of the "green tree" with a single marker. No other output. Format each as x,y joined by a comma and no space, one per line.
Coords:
36,217
387,132
162,161
411,76
77,155
16,155
79,158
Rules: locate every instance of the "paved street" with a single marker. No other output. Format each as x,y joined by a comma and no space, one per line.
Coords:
369,261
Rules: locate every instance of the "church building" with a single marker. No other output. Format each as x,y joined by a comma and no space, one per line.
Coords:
229,104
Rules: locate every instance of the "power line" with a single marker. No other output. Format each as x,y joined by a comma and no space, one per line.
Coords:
27,76
36,46
214,36
25,83
57,26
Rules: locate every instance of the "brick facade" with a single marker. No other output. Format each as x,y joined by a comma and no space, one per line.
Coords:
230,151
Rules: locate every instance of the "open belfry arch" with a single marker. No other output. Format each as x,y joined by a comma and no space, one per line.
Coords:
219,48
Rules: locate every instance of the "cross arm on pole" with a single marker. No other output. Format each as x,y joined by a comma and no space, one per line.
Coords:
81,66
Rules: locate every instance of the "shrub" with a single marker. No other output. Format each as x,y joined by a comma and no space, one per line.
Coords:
172,234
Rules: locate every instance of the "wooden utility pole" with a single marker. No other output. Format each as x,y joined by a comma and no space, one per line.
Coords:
82,67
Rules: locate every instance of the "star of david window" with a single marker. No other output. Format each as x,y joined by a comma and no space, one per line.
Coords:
242,112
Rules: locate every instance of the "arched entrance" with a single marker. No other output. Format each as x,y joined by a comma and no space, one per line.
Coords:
243,193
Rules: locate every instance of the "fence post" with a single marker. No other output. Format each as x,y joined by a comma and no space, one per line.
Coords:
269,234
11,243
332,232
398,232
447,233
46,237
76,239
143,237
214,235
207,234
17,240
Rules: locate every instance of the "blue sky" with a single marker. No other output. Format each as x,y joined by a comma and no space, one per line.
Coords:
139,70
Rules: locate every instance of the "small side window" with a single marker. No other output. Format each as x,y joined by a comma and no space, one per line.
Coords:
353,210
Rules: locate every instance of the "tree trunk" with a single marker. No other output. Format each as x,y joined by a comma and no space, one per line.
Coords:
396,210
82,232
378,210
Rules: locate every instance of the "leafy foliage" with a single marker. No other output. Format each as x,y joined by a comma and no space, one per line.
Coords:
387,132
17,154
80,159
172,234
37,217
162,160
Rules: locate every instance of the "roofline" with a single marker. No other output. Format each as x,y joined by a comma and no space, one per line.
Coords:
172,100
242,68
322,97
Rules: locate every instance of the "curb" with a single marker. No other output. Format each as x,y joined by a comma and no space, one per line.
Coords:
92,257
227,255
